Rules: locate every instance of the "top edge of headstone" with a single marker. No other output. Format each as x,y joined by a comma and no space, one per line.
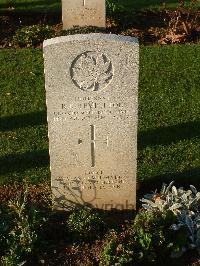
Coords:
91,36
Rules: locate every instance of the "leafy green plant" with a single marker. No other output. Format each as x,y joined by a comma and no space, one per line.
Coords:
149,239
185,205
117,12
22,235
6,223
112,8
19,229
31,36
154,235
86,223
120,249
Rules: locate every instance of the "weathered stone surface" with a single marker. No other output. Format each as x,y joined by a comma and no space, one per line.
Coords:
83,13
92,91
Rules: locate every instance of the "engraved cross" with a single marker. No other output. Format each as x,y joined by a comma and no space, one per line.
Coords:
93,144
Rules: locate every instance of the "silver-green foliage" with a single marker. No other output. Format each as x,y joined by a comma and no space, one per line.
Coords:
22,236
185,204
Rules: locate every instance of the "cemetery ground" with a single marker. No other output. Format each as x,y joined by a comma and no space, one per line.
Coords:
169,110
168,145
47,6
152,22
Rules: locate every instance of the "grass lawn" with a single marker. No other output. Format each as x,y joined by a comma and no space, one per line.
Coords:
25,6
150,4
169,115
49,6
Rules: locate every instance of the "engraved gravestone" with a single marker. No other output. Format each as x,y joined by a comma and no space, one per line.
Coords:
83,13
92,90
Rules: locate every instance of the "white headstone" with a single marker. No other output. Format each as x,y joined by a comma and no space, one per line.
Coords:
83,13
92,104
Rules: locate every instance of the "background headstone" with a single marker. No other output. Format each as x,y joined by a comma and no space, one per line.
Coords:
92,91
83,13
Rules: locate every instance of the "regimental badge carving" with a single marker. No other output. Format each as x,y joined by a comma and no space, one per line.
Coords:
91,71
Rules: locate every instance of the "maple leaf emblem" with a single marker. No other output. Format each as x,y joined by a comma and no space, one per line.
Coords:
91,71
